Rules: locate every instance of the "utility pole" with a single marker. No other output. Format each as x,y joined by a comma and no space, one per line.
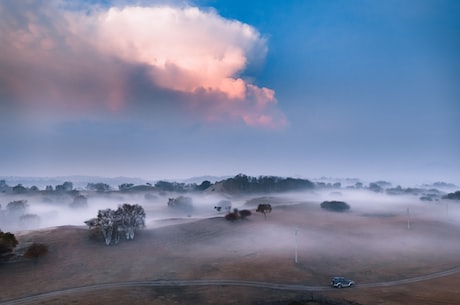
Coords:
296,245
447,210
408,219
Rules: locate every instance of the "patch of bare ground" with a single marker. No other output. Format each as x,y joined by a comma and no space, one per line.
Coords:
366,249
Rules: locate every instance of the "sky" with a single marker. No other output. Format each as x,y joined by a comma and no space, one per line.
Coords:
178,89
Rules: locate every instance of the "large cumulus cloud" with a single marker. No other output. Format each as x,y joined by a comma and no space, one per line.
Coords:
131,57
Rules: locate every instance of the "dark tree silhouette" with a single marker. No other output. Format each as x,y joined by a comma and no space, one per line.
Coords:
204,185
375,187
19,189
453,196
65,187
244,213
7,243
336,206
264,208
264,184
237,214
98,187
125,186
17,207
79,201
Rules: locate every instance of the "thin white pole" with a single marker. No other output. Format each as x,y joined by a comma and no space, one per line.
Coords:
296,246
447,210
408,219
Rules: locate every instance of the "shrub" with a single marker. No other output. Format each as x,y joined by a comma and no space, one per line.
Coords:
335,206
7,242
35,251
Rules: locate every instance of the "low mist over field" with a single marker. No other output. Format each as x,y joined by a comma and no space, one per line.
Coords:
25,208
266,229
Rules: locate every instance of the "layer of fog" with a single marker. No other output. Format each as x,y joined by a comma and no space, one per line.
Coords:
371,239
379,229
57,211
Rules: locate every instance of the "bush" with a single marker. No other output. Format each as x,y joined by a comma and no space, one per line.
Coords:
7,242
335,206
35,251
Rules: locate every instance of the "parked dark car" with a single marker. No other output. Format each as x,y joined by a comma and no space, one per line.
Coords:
340,281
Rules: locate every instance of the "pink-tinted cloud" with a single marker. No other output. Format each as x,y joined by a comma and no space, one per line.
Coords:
75,61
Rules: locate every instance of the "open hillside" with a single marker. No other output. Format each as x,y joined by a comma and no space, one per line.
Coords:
367,247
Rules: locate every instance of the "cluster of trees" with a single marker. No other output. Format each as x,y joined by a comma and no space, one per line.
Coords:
264,184
16,213
324,185
127,218
165,186
177,187
453,196
98,187
20,189
79,201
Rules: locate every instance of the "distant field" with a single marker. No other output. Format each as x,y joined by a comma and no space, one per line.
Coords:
367,247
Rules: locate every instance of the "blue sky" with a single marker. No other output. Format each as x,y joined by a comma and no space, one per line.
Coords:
366,89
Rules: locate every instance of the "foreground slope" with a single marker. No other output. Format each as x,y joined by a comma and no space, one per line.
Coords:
370,248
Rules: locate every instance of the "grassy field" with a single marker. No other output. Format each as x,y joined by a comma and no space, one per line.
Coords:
368,248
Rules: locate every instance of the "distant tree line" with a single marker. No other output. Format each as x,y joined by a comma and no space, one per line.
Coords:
98,187
453,196
181,187
238,184
264,184
67,186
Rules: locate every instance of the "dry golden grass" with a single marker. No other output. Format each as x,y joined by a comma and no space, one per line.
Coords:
367,249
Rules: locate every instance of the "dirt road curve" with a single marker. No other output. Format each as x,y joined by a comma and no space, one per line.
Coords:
182,283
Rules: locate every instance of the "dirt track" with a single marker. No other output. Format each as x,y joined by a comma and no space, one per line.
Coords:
182,283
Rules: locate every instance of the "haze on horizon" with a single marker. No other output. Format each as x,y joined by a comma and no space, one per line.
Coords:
173,89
